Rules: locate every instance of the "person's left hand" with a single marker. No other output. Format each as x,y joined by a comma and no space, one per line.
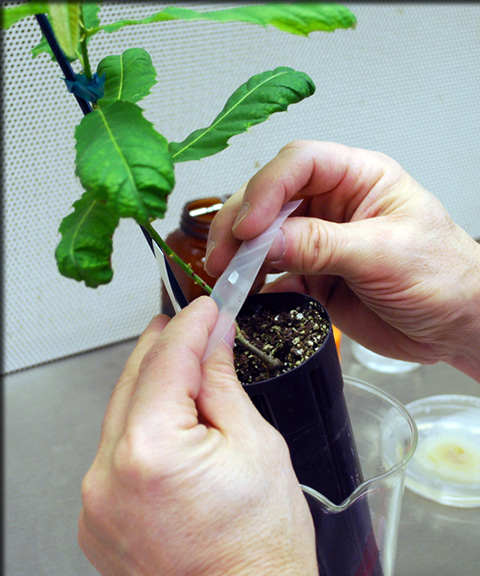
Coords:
189,478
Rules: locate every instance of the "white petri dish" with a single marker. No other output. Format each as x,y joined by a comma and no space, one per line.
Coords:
446,464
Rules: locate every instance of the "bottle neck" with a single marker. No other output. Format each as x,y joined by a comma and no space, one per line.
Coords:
197,216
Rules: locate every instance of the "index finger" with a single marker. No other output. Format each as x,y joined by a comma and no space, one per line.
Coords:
339,176
170,374
342,175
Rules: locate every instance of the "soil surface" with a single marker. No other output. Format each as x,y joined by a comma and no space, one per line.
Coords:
291,335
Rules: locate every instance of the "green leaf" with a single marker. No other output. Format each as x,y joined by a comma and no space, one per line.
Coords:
125,161
65,20
84,252
42,47
11,16
90,19
90,14
252,103
294,17
129,77
164,15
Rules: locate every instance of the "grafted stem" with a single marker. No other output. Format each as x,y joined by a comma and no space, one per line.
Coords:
268,360
171,254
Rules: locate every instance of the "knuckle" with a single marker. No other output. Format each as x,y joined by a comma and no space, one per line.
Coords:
138,461
129,462
312,246
92,492
321,247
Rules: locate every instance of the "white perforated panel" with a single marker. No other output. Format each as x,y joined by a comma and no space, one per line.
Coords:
404,82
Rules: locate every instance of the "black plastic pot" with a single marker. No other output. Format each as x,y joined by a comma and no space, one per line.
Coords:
307,406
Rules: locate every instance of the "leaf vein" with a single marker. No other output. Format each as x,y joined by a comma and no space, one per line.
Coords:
77,229
119,150
120,85
220,119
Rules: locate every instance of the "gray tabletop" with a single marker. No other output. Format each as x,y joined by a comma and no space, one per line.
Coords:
53,415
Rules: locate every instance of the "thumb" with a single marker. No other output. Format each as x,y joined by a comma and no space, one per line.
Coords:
313,246
222,400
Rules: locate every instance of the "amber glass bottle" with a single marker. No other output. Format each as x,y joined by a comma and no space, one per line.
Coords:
189,241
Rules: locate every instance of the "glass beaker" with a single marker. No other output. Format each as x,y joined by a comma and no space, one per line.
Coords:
379,363
359,536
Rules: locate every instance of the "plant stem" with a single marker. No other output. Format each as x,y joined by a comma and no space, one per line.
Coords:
83,46
268,360
171,254
86,62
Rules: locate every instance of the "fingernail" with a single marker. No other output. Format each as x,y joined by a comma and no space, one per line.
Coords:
241,214
277,250
209,250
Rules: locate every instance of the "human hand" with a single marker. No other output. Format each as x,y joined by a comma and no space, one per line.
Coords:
189,478
379,251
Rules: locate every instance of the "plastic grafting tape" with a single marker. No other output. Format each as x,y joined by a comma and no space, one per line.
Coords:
233,286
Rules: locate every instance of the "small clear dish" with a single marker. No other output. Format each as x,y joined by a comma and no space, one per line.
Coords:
446,464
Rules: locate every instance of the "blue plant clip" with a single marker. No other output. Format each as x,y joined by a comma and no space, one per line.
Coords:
89,89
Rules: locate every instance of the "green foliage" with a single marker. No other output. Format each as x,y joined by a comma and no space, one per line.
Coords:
125,166
295,18
14,14
252,103
125,161
129,77
90,20
85,249
65,20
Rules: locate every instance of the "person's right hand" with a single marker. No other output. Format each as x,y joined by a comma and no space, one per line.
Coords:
379,251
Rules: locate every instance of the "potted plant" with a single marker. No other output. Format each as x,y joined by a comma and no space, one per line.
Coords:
126,169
